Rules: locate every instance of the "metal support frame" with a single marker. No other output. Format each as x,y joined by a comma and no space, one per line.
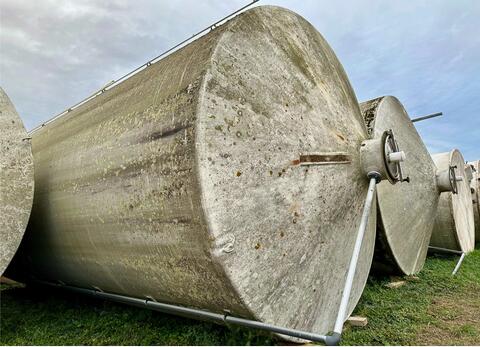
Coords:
187,312
459,263
342,312
445,250
433,115
226,318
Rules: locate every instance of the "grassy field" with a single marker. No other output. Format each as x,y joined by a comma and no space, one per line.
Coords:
433,308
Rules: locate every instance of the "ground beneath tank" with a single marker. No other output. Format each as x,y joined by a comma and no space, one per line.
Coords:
433,308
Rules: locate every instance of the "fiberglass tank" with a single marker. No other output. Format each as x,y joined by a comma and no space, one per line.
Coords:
454,224
16,180
406,212
225,176
474,188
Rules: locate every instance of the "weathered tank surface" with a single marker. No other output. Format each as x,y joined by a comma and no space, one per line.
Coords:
184,183
475,187
454,221
16,180
406,212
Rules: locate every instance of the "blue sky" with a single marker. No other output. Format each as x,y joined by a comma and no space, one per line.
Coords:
427,53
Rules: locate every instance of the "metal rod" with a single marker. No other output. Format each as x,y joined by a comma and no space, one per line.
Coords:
458,264
433,115
446,250
119,80
342,311
195,313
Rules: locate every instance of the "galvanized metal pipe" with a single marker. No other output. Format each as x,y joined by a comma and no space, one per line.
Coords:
433,115
354,260
458,264
194,313
440,249
445,250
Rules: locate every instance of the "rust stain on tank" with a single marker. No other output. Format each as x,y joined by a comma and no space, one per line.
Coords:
324,158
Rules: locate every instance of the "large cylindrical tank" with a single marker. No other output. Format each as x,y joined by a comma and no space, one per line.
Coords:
454,227
406,211
475,187
16,180
186,182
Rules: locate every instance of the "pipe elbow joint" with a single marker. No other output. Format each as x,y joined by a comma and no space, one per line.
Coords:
333,340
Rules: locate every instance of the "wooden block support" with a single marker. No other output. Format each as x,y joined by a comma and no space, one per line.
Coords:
357,321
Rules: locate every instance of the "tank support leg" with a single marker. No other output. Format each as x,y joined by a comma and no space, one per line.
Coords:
459,263
445,250
342,311
222,318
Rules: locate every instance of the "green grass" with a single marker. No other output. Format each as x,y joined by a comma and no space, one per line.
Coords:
398,316
405,315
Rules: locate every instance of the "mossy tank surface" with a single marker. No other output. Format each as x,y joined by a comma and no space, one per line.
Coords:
454,224
184,183
406,211
16,180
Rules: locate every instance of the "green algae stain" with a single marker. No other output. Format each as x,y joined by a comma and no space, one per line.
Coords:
294,53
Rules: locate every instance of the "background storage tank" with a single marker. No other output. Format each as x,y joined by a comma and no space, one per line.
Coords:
16,180
225,176
454,226
475,186
406,212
